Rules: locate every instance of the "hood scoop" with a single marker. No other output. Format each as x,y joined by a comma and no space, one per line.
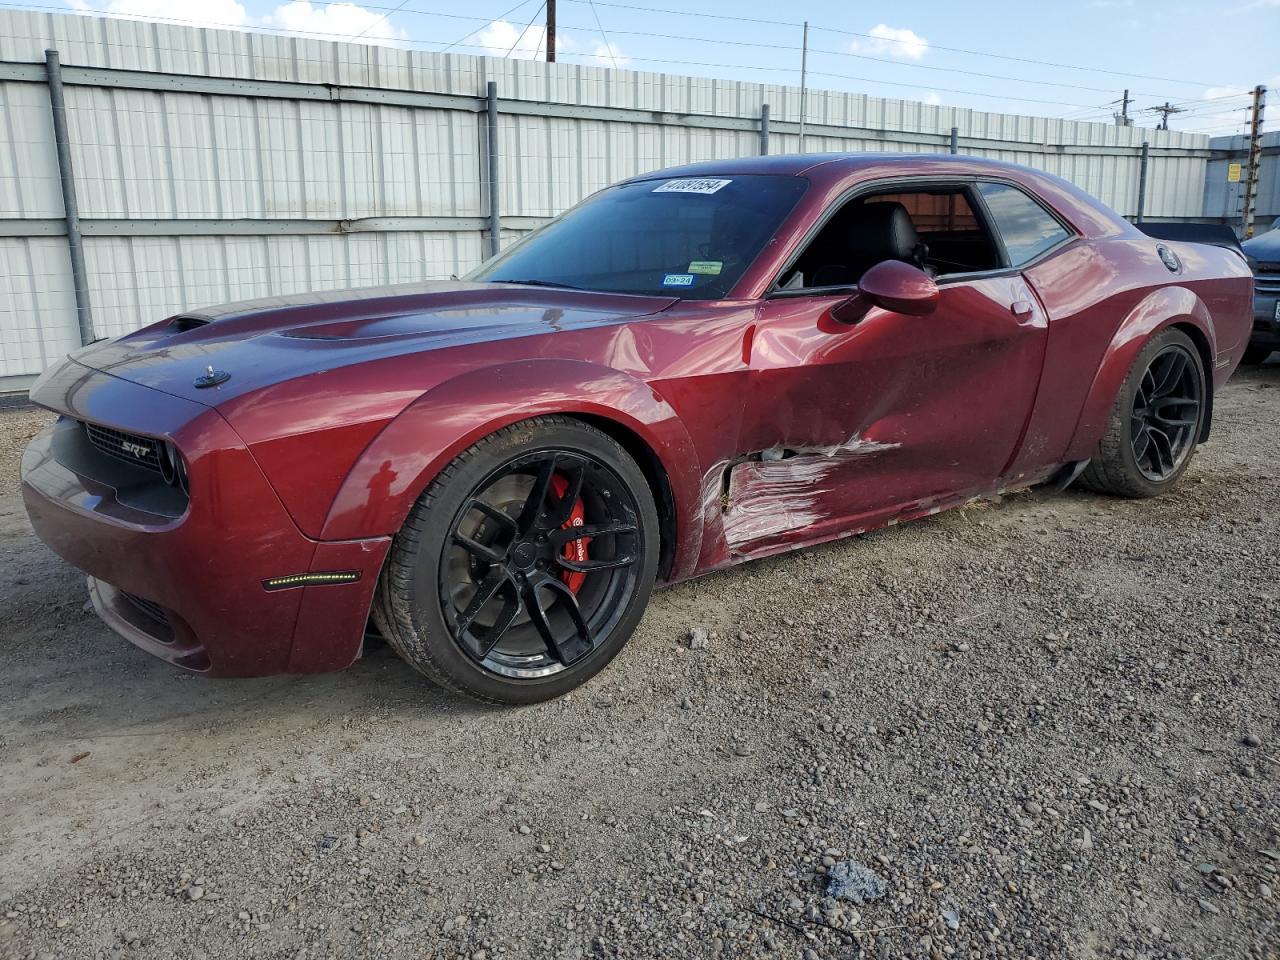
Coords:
188,321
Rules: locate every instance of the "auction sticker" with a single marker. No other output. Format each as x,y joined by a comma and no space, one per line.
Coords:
710,268
678,280
692,185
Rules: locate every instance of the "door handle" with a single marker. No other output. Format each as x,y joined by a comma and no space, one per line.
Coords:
1021,309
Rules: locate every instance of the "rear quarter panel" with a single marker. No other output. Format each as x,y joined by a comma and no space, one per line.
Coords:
1105,299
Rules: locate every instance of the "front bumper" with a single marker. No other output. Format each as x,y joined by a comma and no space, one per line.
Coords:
189,588
1266,322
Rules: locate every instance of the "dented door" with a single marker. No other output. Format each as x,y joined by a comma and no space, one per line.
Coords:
847,423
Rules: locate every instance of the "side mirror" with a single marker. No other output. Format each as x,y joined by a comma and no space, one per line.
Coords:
891,285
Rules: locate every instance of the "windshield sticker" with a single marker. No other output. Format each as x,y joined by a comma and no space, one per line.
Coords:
678,280
692,185
710,268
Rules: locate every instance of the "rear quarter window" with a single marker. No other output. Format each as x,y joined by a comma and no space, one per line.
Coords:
1026,228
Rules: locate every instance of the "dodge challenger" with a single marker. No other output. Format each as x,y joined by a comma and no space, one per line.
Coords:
689,369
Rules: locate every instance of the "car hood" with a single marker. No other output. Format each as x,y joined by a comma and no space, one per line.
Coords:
258,343
1264,248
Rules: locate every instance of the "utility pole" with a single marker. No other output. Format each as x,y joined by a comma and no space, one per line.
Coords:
1122,118
804,69
551,31
1164,110
1250,199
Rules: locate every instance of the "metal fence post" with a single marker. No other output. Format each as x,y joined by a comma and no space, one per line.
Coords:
764,129
1142,180
955,139
70,208
491,114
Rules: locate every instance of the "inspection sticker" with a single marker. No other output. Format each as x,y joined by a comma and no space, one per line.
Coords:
692,185
678,280
710,268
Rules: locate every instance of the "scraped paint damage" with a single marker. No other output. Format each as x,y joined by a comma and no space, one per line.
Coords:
777,491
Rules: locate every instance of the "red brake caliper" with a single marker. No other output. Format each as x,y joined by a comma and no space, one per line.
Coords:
575,550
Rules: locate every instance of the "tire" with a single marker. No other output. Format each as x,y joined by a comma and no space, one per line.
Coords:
1255,354
509,519
1122,467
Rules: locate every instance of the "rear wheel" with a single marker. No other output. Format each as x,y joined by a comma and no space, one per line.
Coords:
526,564
1155,423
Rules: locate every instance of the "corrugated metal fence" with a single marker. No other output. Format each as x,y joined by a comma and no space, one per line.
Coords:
1222,195
219,165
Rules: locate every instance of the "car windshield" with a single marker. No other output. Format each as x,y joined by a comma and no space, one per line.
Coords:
691,237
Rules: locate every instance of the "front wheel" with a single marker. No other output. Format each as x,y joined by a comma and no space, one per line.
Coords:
1155,423
525,566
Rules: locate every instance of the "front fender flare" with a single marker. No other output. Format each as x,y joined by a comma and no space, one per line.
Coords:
1159,310
397,466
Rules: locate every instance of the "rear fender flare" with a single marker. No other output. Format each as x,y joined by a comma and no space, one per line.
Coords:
398,465
1159,310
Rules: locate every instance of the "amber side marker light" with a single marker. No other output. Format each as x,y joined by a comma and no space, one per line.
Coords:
311,579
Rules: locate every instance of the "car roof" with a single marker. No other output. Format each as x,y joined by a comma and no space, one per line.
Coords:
834,164
1086,213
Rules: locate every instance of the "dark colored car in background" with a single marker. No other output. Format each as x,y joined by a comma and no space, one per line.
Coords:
690,369
1264,254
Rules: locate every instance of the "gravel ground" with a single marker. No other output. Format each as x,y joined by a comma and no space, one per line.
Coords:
1050,726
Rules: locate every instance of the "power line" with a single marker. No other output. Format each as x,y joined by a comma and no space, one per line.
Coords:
381,19
468,36
694,13
1042,63
535,16
971,73
608,48
695,63
926,86
769,22
756,45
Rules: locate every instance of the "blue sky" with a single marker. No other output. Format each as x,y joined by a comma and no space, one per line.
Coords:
1081,54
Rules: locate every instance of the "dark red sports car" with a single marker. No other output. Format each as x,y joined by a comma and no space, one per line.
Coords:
689,369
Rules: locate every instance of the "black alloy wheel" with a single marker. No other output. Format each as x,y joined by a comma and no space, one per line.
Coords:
1166,413
1156,421
525,565
528,586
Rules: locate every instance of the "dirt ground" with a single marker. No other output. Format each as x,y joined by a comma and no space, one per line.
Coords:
1051,725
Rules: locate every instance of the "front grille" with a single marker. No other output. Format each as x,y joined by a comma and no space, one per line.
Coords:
129,447
1267,283
148,607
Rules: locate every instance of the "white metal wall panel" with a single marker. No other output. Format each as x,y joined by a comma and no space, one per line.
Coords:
37,306
137,280
29,184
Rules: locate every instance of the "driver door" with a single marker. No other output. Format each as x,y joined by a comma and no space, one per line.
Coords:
848,425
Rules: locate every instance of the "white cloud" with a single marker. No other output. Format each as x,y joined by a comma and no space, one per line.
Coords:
334,21
600,55
933,98
209,13
502,38
887,41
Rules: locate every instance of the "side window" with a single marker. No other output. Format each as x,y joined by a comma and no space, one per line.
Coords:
934,228
1026,227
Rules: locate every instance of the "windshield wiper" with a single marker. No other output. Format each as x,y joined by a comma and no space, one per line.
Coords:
540,283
